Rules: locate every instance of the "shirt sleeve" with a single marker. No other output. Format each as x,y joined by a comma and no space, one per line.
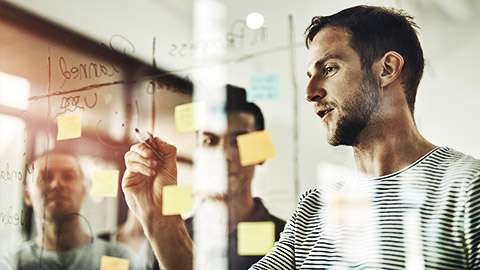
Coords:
282,255
7,261
472,223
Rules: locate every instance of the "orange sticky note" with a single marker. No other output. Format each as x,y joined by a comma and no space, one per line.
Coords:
113,263
177,200
105,183
255,147
188,116
69,126
255,238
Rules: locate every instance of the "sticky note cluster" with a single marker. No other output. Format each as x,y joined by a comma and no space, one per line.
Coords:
255,238
255,147
177,200
105,183
69,126
188,117
113,263
263,86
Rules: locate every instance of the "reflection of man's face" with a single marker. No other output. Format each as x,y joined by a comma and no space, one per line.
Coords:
58,186
345,96
239,178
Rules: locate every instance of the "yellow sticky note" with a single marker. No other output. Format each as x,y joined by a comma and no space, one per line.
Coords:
177,200
113,263
69,126
255,147
255,238
105,183
188,116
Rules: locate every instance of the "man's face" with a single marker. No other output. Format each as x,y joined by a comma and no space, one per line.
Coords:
239,178
58,186
345,96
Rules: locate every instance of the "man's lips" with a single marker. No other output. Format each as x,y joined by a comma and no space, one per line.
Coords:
323,112
54,197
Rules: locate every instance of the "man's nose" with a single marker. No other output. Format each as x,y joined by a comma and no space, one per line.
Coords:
229,151
315,90
55,182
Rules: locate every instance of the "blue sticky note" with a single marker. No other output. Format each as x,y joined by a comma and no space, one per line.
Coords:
263,86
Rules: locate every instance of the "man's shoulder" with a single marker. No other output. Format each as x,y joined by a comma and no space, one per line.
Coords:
454,161
314,195
310,200
10,258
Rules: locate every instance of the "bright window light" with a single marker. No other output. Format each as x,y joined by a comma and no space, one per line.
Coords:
14,91
254,20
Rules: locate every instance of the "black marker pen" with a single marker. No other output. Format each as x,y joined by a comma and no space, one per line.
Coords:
149,141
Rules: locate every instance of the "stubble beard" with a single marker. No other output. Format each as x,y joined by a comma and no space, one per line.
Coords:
357,111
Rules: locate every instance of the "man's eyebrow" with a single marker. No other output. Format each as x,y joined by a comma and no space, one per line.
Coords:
237,133
210,134
320,62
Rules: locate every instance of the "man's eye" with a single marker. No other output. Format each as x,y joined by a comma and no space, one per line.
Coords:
329,70
68,176
210,141
44,177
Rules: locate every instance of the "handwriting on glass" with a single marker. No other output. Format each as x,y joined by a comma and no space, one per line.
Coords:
7,174
239,37
13,218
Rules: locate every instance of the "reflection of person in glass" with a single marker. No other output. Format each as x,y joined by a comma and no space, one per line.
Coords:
365,65
242,117
56,193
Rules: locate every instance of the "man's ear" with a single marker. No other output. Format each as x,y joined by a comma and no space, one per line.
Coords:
28,200
392,64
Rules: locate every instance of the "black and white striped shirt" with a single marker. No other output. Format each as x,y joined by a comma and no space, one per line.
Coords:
426,216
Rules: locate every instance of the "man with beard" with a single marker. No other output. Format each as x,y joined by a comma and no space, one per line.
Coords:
420,202
56,193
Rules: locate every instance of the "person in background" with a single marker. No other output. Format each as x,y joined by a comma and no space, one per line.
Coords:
242,117
56,192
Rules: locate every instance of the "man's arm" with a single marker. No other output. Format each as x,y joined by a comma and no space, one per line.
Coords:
142,184
472,226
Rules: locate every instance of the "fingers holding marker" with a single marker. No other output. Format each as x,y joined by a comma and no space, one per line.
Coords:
155,144
165,148
151,147
138,163
147,139
139,168
142,149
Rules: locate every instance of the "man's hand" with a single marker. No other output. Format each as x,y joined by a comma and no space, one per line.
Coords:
145,178
143,184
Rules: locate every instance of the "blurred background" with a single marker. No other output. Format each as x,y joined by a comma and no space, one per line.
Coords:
128,64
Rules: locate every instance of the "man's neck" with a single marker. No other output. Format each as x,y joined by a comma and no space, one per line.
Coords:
240,208
390,147
67,236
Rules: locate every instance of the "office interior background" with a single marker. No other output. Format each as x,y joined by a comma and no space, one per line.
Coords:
148,54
